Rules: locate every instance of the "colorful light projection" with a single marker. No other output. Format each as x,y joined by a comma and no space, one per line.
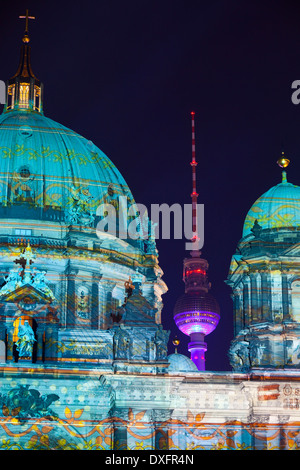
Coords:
196,312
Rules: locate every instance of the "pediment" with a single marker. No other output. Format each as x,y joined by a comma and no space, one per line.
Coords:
293,251
235,263
24,292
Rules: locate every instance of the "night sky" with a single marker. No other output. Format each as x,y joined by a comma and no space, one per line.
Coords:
127,74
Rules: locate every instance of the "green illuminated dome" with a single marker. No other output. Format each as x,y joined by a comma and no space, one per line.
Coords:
47,170
41,162
277,208
74,271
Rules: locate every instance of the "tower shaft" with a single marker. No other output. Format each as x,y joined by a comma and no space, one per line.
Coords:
196,312
197,347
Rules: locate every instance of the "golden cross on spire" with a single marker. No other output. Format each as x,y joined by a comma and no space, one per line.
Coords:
26,18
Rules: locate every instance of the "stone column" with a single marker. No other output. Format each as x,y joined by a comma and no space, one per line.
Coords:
266,297
3,341
160,419
120,418
284,428
40,336
71,299
8,331
246,301
10,343
238,315
259,432
95,313
63,296
276,295
51,340
286,298
256,315
2,331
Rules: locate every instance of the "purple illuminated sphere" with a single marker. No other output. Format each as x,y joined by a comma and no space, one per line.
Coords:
196,312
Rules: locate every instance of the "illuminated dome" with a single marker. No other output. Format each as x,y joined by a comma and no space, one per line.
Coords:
277,208
181,363
76,283
48,171
196,312
42,162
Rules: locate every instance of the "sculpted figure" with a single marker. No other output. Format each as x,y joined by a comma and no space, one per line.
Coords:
256,352
26,339
161,341
121,344
239,355
13,281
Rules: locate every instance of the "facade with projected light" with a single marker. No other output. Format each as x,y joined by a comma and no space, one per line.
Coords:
83,353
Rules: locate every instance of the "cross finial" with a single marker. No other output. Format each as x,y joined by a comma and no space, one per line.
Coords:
26,257
26,17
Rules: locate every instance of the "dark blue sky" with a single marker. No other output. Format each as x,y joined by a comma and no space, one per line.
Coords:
127,74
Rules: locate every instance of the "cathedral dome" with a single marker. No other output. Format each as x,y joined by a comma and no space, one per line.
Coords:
73,274
181,363
279,207
44,163
48,171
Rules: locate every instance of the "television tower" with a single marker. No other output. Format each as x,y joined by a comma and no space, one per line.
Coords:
196,312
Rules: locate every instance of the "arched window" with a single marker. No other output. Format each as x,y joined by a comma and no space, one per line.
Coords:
24,95
10,97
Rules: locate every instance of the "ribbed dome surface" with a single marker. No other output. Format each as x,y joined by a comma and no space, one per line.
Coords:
181,363
42,161
196,313
279,207
192,302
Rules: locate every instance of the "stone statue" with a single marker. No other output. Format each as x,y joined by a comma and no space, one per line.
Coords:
24,403
292,351
40,283
26,339
148,227
256,352
136,310
256,229
121,344
12,281
161,342
239,356
79,212
19,277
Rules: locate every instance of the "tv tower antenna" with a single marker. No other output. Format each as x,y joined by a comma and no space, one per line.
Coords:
196,312
194,195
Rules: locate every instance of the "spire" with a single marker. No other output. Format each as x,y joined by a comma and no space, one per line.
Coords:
176,343
194,194
283,162
24,89
26,17
196,312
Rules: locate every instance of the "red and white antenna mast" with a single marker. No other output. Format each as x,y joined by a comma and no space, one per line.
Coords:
196,313
194,194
